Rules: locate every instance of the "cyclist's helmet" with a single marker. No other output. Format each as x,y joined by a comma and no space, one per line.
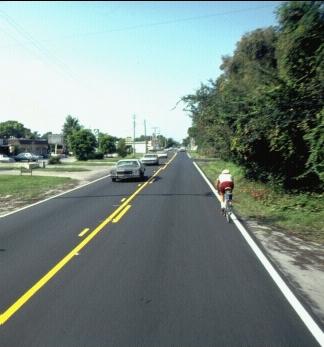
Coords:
225,171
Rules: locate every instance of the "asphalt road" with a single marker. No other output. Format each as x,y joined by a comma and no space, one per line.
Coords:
170,271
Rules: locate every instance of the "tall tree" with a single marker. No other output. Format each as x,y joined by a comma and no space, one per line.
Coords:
15,129
122,148
107,143
83,143
265,111
71,125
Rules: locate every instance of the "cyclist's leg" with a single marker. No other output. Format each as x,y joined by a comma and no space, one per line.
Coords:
221,193
222,202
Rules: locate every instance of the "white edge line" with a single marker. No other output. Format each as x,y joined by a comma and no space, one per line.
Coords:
53,197
289,295
189,155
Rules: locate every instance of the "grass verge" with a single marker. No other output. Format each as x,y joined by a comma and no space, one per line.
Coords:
298,214
17,191
88,163
62,169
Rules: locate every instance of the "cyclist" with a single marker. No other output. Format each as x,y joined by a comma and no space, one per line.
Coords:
225,180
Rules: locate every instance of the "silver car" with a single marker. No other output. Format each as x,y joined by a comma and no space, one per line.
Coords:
162,155
150,159
127,168
5,159
28,157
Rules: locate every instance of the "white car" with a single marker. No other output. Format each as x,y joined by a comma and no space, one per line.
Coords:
127,168
150,159
5,159
162,155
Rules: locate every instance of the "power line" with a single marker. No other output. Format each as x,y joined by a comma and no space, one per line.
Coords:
171,21
39,47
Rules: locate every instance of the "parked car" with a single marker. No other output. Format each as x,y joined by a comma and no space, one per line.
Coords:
162,155
27,157
150,159
5,159
127,168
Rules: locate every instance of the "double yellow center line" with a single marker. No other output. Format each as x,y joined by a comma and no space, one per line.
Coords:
116,215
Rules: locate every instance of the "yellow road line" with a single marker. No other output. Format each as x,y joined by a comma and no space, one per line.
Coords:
83,232
115,220
38,285
168,163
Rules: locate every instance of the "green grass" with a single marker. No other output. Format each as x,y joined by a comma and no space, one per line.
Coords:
87,163
9,167
30,188
62,169
299,214
102,162
57,168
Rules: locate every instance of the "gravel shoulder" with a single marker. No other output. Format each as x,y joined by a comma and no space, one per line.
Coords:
300,261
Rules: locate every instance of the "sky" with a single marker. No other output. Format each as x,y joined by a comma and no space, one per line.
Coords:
104,62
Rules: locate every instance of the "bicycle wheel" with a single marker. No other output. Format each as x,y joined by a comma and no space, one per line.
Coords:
228,212
228,216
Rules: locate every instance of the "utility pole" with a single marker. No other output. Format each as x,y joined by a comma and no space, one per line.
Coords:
145,136
134,124
154,137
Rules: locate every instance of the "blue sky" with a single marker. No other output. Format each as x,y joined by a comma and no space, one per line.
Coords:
102,62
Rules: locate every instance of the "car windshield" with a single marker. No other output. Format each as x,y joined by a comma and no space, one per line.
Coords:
127,163
150,156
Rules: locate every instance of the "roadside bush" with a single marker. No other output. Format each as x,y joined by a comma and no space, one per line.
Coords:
54,160
96,155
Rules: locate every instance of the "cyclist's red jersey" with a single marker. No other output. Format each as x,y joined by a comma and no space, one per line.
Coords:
225,181
226,184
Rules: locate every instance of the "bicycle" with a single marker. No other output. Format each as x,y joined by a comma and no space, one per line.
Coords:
228,204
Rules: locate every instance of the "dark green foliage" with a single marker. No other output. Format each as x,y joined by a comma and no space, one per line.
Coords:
54,160
96,155
71,124
122,148
265,112
171,143
15,129
83,143
107,143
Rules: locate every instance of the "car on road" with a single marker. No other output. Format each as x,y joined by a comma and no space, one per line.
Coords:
162,155
127,168
150,159
182,149
25,156
5,159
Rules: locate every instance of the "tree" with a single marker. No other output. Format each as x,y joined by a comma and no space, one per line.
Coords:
71,124
107,143
265,111
83,143
186,141
171,143
34,135
14,129
45,136
122,148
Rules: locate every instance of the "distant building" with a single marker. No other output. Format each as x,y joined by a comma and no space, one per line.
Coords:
4,148
139,145
37,146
